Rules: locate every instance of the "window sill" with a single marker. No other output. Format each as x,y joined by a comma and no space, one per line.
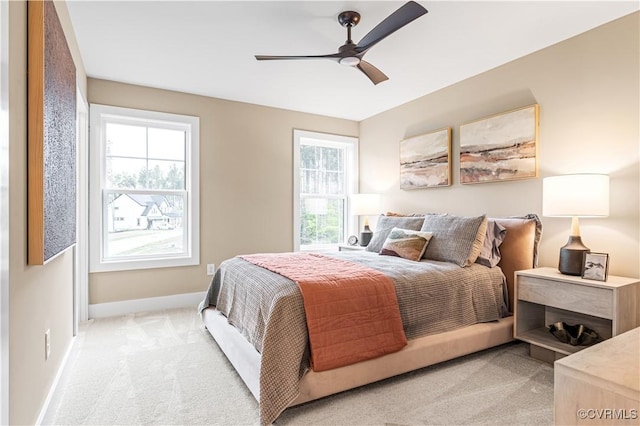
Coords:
321,249
131,265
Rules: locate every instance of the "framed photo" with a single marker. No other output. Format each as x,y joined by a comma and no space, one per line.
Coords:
425,160
595,266
500,147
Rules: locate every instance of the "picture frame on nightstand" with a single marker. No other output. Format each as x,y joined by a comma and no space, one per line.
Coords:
595,266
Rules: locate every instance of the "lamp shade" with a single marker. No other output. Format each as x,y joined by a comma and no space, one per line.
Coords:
580,195
583,195
365,204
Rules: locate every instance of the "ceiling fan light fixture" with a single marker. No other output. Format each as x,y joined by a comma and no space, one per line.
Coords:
350,61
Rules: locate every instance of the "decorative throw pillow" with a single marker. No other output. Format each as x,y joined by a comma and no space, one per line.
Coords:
386,224
406,243
490,254
455,239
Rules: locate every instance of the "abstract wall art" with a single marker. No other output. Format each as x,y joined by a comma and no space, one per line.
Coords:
51,136
425,160
501,147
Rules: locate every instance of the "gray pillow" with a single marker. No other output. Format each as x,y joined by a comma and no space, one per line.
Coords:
386,224
490,254
455,239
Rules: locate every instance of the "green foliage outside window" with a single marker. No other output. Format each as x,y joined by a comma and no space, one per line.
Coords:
322,200
148,179
321,227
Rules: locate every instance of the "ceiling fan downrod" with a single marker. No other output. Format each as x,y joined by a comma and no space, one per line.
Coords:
349,19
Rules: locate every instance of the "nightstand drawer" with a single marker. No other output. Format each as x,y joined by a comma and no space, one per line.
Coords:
574,297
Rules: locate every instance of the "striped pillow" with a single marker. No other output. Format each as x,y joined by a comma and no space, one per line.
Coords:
455,239
386,224
406,243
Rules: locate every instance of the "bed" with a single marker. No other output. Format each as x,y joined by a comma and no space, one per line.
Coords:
263,332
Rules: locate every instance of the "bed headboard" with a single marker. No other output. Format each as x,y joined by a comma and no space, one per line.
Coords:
519,249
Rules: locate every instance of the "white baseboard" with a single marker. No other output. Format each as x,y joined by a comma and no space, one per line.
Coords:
54,385
112,309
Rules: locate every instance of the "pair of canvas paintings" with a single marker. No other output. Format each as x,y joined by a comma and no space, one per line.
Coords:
497,148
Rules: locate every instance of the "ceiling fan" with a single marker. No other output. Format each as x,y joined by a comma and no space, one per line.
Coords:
350,54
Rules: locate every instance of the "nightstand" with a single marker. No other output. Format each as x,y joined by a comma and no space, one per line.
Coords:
544,296
347,247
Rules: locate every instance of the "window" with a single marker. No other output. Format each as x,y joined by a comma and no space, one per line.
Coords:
325,174
144,189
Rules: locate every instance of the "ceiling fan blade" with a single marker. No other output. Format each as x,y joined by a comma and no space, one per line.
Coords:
277,58
374,74
398,19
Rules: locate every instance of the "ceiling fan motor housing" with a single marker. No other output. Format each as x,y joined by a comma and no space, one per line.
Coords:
349,18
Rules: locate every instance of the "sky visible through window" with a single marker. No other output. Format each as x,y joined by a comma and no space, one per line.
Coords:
144,157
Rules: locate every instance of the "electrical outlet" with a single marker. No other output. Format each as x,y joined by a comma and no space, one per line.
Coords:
211,268
47,344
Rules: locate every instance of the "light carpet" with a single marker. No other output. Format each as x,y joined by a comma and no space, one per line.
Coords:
163,368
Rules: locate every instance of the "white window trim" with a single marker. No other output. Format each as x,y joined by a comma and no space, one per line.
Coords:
81,250
331,140
4,212
97,262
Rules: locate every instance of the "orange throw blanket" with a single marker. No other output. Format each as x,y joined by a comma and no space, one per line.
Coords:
352,310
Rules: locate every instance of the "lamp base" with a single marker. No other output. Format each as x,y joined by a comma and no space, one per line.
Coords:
365,236
571,256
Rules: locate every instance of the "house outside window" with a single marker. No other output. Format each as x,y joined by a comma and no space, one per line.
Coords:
325,174
144,189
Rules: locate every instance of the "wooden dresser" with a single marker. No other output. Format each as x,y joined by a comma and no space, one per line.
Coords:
600,385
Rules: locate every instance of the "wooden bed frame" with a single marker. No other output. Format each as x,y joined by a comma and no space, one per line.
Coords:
518,252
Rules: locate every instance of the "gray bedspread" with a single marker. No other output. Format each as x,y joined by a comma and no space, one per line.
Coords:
267,309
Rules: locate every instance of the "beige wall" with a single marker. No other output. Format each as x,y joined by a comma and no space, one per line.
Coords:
587,88
40,297
246,183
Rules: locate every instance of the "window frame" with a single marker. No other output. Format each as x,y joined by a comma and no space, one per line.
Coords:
99,116
351,145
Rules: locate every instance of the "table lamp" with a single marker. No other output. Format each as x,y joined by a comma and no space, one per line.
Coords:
365,205
578,195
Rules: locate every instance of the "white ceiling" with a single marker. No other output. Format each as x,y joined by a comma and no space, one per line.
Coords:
208,47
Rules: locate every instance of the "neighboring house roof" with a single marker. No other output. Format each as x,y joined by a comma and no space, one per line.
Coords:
144,199
147,209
